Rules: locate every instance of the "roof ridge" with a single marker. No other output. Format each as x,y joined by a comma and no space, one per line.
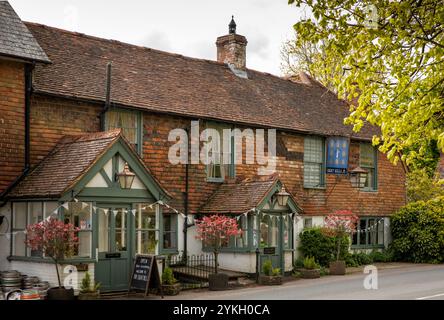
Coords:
172,54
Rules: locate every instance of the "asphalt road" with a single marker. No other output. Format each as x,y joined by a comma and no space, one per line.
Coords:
414,282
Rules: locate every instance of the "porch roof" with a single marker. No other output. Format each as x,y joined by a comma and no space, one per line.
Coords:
67,164
238,197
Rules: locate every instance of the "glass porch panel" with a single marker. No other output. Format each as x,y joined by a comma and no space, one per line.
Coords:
85,244
146,241
264,226
274,232
104,224
121,224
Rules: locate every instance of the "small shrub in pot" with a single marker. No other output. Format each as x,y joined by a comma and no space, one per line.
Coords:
311,269
89,290
270,276
170,285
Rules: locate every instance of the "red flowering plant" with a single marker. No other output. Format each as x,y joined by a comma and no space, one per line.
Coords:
215,231
54,238
339,224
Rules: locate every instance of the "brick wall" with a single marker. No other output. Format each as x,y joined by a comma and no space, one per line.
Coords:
52,117
12,121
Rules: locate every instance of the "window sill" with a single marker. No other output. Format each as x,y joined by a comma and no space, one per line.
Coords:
369,190
315,188
215,180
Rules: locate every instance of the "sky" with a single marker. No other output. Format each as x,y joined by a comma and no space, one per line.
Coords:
188,27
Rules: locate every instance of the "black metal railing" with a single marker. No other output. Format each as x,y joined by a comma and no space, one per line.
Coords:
192,270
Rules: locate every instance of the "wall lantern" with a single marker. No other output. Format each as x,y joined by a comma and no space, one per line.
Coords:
282,197
358,177
126,177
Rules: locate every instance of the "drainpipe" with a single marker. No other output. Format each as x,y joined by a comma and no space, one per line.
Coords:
107,96
27,156
186,194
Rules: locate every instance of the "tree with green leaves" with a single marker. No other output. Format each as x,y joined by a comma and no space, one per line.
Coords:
392,63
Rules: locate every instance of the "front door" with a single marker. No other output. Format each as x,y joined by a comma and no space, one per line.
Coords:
113,263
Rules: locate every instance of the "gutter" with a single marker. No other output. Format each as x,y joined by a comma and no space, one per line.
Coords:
186,194
27,163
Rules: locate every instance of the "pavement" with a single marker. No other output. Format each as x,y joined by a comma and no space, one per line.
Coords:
389,282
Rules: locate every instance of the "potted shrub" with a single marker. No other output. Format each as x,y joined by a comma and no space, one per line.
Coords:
311,269
339,226
170,285
55,240
88,290
271,276
215,231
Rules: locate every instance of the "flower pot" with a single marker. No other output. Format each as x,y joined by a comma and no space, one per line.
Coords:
60,293
310,273
89,295
171,289
337,268
270,280
218,281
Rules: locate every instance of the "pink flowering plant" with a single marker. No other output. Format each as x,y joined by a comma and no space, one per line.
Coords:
54,238
215,231
340,224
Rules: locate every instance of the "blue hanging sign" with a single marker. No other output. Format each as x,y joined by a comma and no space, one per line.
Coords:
337,155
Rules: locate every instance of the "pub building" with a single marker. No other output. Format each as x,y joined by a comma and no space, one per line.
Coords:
84,136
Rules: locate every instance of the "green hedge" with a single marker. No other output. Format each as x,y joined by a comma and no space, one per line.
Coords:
313,243
418,232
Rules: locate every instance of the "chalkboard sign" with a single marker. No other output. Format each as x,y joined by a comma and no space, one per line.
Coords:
145,274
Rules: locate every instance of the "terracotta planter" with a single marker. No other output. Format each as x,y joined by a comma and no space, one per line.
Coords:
310,273
270,280
89,295
61,293
337,268
171,289
218,281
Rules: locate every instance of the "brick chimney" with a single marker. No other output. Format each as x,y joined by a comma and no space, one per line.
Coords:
231,48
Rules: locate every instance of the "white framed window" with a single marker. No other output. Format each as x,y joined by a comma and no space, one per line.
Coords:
314,162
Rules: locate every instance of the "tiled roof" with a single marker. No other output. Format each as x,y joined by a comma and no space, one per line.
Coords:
239,197
15,39
65,165
163,82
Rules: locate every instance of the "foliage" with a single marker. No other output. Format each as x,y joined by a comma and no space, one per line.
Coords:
310,263
86,285
168,276
308,57
54,238
392,63
420,186
315,243
215,231
267,267
418,232
360,258
323,271
296,274
276,272
339,225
